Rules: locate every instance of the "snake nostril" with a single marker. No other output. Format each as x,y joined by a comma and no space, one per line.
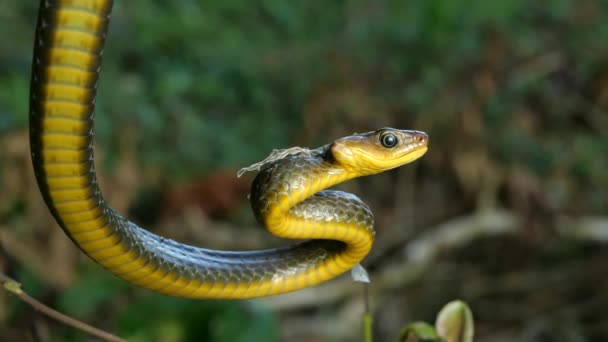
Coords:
421,137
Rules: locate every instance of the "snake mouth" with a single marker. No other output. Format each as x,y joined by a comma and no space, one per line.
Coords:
406,156
412,154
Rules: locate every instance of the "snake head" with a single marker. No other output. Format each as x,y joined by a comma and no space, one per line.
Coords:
377,151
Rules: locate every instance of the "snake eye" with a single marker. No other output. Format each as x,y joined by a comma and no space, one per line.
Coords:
389,140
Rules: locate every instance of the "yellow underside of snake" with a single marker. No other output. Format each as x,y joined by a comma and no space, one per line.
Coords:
288,195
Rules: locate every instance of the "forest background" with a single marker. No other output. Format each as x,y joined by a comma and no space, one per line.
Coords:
508,210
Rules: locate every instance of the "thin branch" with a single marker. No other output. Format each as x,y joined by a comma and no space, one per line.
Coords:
14,287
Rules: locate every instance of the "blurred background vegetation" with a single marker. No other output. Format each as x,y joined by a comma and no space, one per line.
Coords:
508,210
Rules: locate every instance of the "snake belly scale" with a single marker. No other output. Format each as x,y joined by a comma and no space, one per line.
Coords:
288,195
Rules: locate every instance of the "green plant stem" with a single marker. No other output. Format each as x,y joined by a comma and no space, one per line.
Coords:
368,319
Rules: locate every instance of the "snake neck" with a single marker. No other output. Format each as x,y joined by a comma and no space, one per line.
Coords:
283,184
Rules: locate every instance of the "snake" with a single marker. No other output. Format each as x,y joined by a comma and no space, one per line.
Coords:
289,196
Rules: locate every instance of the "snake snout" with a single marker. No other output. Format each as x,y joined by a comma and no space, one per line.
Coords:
420,138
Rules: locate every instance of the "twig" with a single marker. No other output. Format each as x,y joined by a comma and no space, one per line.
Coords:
14,287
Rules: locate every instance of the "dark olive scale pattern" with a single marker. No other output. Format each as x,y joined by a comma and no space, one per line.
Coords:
278,179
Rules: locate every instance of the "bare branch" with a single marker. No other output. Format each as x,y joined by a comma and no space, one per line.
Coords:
14,287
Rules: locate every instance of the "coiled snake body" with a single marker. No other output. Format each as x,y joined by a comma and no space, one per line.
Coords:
287,196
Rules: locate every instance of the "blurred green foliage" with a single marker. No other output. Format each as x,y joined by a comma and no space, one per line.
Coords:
194,83
200,85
